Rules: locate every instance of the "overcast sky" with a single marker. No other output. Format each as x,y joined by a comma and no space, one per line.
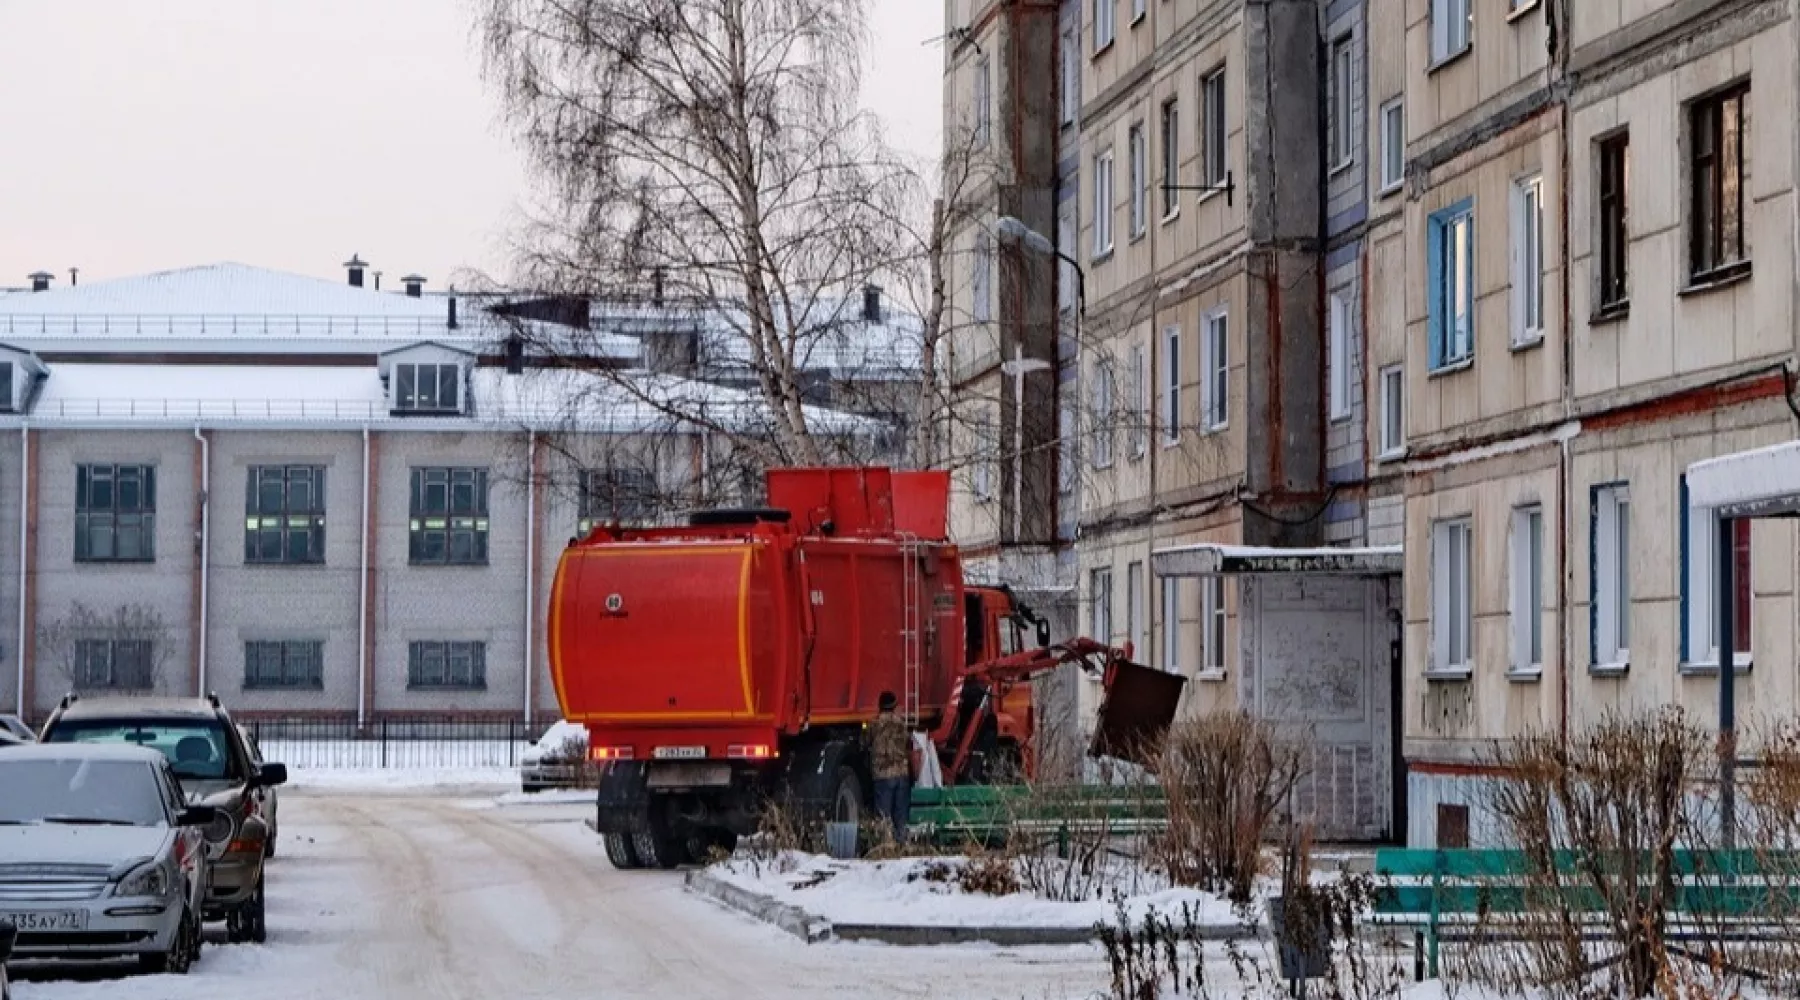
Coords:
143,135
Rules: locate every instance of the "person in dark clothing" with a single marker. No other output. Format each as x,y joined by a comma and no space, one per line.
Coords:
890,759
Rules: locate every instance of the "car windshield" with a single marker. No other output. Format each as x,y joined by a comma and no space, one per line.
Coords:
195,748
80,792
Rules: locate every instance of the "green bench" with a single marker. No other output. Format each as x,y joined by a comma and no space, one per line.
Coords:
991,814
1449,891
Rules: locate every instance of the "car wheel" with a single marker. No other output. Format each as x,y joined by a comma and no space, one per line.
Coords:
180,956
248,922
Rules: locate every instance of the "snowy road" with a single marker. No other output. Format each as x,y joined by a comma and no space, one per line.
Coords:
433,897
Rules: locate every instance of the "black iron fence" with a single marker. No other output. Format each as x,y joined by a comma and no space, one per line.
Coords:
416,743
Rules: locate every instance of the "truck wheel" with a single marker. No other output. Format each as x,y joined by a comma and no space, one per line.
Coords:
621,851
657,847
846,797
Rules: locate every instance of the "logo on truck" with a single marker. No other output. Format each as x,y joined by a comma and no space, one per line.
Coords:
615,603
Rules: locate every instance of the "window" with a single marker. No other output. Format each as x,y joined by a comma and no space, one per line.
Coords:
1212,128
1140,181
1614,163
1452,620
284,665
114,665
984,100
1338,344
1700,590
623,494
446,666
1138,8
1067,423
1140,401
1104,26
1103,415
1171,624
1450,266
1171,157
1212,625
1171,415
987,456
1716,144
1452,24
981,278
284,514
449,523
1528,261
1215,392
1071,78
6,387
1343,111
1393,145
1100,593
427,388
1103,204
115,513
1393,411
1134,608
1610,523
1527,579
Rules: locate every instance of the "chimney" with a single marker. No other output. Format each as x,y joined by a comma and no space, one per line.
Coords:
452,322
40,281
378,281
415,285
656,287
73,272
871,312
355,265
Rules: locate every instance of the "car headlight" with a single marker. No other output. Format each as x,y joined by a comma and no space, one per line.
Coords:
220,829
150,880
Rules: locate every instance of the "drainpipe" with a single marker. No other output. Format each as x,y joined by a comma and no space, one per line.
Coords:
205,545
362,614
24,540
530,564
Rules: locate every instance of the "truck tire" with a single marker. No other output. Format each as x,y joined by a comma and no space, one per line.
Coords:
657,849
846,802
621,850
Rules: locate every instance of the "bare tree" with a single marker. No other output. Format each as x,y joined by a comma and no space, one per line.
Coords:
125,649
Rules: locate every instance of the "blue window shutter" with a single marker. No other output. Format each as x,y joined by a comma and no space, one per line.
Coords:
1681,568
1434,290
1594,574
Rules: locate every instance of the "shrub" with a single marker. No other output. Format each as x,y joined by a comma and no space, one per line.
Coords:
1226,777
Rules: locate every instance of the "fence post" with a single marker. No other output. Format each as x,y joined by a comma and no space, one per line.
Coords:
384,757
1437,869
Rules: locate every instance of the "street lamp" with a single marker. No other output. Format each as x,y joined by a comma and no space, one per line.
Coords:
1010,228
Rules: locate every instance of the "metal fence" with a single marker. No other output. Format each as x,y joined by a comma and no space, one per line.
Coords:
394,742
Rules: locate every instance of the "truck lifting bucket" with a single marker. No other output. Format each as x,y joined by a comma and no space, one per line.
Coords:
1136,712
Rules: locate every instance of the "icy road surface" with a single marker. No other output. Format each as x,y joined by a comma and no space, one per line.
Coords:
389,895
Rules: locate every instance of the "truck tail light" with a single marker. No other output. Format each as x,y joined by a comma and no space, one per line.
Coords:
609,753
750,751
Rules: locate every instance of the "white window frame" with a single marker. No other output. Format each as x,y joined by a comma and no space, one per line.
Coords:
1136,627
1103,204
1458,274
984,102
1214,631
1528,261
1342,81
1106,24
987,448
1213,136
1612,577
1526,579
1100,604
1169,130
1103,415
1391,432
1171,409
1215,365
1393,145
1338,358
1071,78
1702,587
1140,396
1452,29
1452,591
1139,166
981,279
1171,625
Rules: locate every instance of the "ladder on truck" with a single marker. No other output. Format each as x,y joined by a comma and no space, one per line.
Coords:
912,624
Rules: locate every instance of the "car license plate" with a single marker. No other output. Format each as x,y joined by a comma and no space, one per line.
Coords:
47,920
680,753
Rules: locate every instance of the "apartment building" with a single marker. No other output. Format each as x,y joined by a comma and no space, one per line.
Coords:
1599,289
316,498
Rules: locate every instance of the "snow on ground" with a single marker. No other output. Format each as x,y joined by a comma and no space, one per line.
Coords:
924,892
404,779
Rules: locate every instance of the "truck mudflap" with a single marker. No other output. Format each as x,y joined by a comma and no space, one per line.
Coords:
1135,712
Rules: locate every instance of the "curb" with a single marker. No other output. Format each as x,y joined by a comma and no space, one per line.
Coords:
791,919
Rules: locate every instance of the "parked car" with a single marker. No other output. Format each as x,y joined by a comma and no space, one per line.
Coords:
557,759
214,767
16,726
269,803
101,856
7,932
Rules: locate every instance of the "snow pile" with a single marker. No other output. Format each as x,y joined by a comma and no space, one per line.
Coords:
402,779
924,892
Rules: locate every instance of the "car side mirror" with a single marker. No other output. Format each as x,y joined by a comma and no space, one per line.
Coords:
270,775
1043,633
197,816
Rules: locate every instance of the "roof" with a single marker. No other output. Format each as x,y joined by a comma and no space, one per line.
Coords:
125,752
146,707
837,340
1211,559
1759,482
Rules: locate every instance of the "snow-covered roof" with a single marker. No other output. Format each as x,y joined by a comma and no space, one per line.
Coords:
1760,481
1211,559
849,347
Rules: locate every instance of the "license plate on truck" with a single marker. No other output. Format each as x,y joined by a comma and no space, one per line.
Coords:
679,753
45,920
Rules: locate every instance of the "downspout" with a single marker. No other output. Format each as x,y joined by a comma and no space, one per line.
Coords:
205,548
531,484
362,616
1564,489
24,540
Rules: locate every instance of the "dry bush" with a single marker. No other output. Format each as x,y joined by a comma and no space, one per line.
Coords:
1081,842
1226,777
990,875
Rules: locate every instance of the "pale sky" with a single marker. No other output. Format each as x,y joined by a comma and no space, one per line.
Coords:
144,135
